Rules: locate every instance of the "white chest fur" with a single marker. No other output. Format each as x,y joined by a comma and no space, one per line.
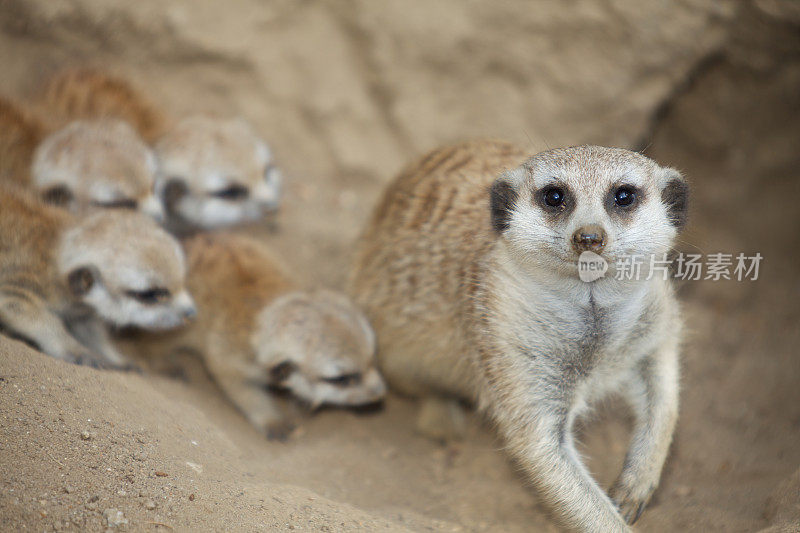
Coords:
581,339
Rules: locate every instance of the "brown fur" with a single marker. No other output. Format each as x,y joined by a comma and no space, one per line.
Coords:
446,190
34,297
231,278
255,328
63,279
82,112
71,94
20,134
85,93
29,233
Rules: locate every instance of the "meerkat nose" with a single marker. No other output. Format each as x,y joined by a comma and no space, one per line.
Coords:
375,383
152,206
187,306
591,238
267,195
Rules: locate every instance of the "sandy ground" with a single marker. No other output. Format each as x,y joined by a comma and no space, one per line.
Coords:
77,445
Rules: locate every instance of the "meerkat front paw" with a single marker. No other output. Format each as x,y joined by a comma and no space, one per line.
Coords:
441,419
93,360
79,355
129,366
631,499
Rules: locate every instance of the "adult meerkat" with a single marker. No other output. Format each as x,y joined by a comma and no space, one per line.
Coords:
63,280
256,329
213,172
468,272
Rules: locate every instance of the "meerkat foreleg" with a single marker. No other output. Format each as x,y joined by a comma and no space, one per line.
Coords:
653,394
535,416
250,397
93,333
26,315
544,448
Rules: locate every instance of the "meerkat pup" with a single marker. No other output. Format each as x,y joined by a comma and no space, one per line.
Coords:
213,172
256,329
100,162
468,272
64,280
96,163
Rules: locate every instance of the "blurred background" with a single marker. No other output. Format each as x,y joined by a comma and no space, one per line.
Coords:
346,93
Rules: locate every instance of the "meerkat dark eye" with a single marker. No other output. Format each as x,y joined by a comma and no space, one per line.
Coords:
233,193
624,196
59,195
150,296
281,372
345,380
553,197
125,203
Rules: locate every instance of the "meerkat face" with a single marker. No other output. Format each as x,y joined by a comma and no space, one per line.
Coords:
610,201
128,269
320,347
216,173
97,164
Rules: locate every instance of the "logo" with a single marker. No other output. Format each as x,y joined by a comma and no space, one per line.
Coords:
591,267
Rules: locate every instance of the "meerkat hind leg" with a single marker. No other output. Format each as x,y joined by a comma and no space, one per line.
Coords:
441,419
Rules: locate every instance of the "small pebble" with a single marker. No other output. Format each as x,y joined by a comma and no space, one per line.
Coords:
114,517
87,435
149,505
69,489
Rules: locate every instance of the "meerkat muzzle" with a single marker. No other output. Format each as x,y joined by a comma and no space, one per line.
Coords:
590,238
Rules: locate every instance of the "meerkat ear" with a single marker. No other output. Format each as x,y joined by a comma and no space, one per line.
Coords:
502,199
675,195
173,191
81,280
58,195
